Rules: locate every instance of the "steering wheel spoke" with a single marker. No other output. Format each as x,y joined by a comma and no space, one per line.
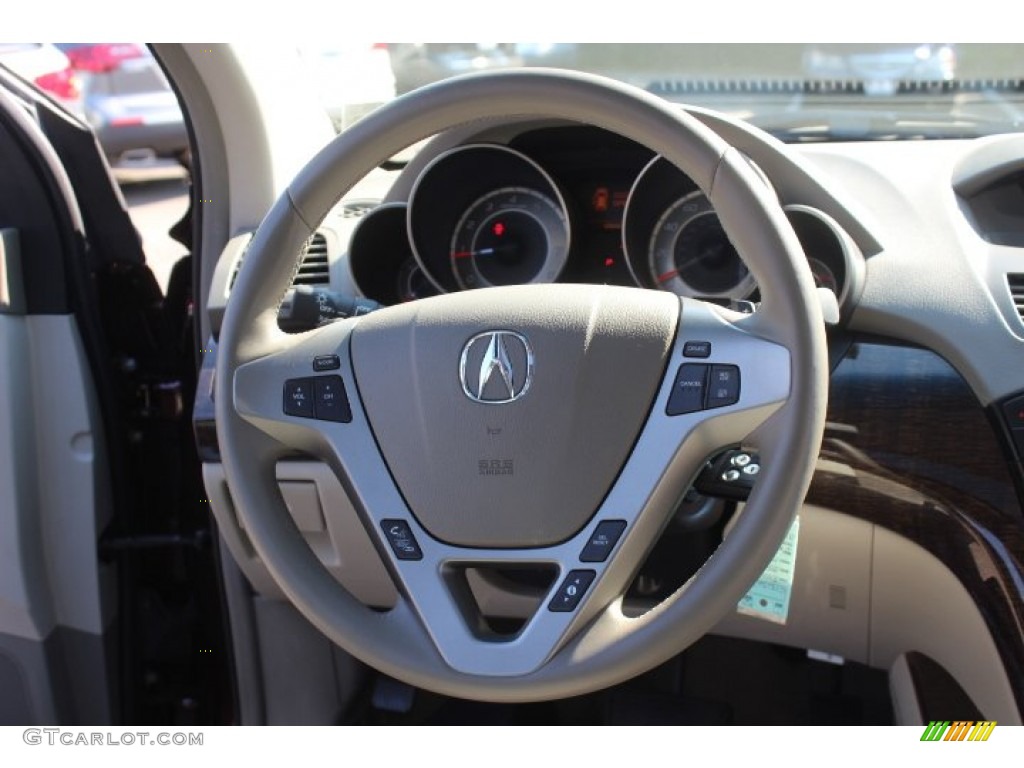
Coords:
299,394
452,588
724,381
446,586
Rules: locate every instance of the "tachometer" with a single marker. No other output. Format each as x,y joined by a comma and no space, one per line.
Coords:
509,236
691,255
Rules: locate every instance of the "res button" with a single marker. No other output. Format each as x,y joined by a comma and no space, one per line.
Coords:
723,386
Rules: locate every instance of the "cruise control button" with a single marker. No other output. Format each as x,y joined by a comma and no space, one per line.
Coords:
326,363
731,475
723,386
602,541
571,591
688,390
697,349
401,539
331,403
298,397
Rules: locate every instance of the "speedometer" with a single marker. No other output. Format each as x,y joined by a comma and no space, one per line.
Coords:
510,236
691,255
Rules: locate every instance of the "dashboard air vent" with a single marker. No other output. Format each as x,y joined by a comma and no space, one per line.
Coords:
314,268
1015,280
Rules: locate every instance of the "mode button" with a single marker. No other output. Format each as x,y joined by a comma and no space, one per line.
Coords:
326,363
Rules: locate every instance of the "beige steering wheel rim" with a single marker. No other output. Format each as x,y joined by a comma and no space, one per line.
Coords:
610,648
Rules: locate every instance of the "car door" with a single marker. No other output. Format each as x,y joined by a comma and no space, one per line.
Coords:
109,596
56,596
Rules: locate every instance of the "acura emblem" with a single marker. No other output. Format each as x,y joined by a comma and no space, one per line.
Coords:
496,367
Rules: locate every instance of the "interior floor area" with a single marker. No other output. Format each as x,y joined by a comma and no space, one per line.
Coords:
718,681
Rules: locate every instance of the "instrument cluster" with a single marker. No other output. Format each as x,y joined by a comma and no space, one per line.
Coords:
566,205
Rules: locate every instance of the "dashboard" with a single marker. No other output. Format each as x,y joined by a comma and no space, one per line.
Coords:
919,240
569,204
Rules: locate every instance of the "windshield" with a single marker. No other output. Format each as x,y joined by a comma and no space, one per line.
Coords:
798,92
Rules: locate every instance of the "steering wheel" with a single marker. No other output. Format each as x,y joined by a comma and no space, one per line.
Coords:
547,426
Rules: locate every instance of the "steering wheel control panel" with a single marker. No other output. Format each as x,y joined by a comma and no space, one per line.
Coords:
317,397
700,387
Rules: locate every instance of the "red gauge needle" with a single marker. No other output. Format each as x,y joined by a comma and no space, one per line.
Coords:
507,249
468,254
668,275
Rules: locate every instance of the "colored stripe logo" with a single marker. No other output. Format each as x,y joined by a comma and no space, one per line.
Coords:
959,730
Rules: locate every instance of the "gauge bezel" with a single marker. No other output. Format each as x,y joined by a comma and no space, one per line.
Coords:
451,183
815,264
659,186
407,270
656,187
554,259
741,289
844,257
377,248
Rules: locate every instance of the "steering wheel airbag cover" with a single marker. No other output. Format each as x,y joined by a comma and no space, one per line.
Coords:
530,472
